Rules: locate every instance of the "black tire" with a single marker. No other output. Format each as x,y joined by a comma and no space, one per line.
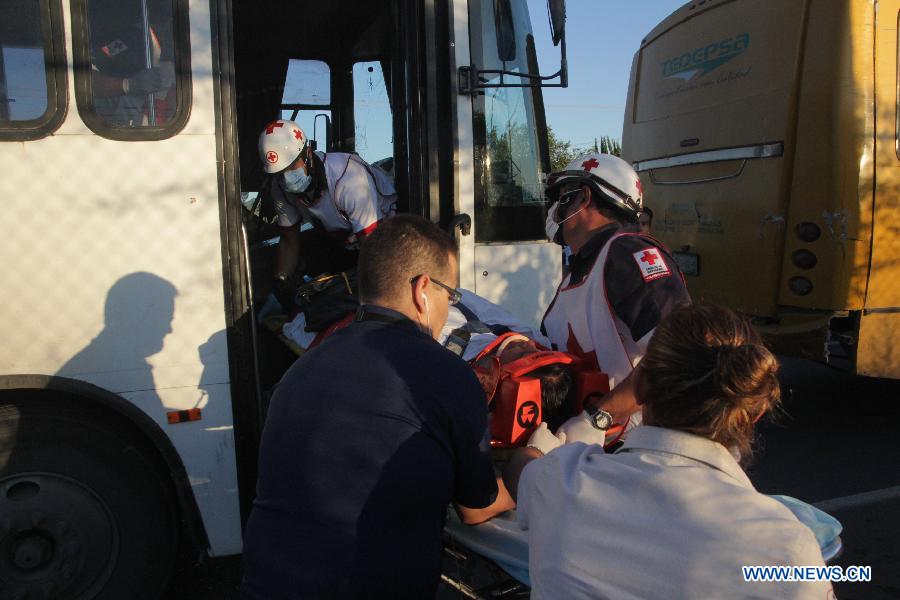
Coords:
84,513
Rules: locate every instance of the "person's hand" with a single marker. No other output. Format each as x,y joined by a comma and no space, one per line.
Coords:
580,428
146,81
543,440
284,289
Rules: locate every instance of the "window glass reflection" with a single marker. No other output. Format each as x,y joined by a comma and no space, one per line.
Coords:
132,53
23,69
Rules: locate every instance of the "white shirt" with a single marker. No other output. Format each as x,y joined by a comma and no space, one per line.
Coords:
670,515
358,196
490,314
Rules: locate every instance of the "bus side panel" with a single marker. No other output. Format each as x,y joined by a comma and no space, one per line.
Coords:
730,223
721,78
708,80
879,331
114,276
832,178
117,280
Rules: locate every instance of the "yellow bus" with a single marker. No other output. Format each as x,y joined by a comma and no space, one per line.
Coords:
765,133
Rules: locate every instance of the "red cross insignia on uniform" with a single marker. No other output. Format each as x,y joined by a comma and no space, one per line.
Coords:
270,128
651,264
298,135
272,156
590,164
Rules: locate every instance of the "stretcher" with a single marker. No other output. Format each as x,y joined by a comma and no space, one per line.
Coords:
491,560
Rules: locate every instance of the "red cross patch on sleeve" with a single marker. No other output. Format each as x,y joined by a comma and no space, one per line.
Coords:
651,264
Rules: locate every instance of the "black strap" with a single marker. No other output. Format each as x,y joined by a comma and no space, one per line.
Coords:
459,338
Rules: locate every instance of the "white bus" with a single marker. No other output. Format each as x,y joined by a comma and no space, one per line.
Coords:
131,377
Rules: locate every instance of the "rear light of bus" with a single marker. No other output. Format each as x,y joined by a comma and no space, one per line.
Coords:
808,232
800,286
804,259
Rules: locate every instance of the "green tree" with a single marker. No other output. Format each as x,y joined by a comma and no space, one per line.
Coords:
561,151
609,145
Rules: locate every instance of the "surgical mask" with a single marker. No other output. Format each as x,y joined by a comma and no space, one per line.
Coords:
552,226
297,181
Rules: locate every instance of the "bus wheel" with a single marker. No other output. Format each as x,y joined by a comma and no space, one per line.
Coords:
83,512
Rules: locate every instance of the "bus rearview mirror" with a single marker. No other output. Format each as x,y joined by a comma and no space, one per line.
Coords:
557,10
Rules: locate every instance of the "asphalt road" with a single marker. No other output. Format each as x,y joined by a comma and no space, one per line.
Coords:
838,446
837,443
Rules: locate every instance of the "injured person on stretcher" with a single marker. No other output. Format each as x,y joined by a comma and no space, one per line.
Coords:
525,383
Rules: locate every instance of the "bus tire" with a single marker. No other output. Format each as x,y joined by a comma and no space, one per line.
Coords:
84,512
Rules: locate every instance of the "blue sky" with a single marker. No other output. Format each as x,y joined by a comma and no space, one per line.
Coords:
602,37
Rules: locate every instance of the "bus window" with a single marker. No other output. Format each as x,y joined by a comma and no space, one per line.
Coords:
128,53
373,123
509,198
307,99
32,92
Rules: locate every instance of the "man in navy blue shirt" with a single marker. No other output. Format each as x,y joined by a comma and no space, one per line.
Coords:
370,436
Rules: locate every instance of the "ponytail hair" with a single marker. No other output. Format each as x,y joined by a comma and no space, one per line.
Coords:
707,372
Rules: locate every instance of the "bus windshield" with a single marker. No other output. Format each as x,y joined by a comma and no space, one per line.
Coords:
511,153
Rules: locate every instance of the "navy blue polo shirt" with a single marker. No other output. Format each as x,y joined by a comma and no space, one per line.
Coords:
368,438
641,305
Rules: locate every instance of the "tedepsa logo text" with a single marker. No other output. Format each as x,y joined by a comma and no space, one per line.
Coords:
704,59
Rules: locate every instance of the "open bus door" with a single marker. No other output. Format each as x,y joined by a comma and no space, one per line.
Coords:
503,155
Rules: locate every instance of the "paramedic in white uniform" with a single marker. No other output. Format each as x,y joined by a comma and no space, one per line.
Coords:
620,284
347,196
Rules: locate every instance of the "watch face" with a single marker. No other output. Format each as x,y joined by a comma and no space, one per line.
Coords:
600,418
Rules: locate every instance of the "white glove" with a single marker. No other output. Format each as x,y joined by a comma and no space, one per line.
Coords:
543,440
580,428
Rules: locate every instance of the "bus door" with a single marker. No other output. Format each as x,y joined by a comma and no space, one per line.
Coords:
503,161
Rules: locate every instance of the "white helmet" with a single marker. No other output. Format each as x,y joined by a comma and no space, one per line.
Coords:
280,143
610,178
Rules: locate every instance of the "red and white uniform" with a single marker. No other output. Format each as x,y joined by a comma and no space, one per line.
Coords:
607,310
358,196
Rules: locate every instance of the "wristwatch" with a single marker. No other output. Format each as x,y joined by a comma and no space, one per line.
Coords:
599,418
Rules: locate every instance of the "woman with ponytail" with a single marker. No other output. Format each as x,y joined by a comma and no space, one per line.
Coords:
671,514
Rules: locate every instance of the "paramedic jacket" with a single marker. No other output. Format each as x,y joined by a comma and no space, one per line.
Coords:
368,438
620,286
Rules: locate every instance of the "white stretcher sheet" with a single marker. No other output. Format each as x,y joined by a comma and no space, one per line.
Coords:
502,541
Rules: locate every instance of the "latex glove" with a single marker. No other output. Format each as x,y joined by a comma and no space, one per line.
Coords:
580,428
143,82
543,440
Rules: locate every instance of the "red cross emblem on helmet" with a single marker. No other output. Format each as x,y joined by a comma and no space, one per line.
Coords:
590,164
270,128
272,156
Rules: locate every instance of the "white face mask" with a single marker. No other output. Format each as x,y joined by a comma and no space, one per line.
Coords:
552,226
297,181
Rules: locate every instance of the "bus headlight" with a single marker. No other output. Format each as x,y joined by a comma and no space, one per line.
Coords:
800,285
804,259
808,232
